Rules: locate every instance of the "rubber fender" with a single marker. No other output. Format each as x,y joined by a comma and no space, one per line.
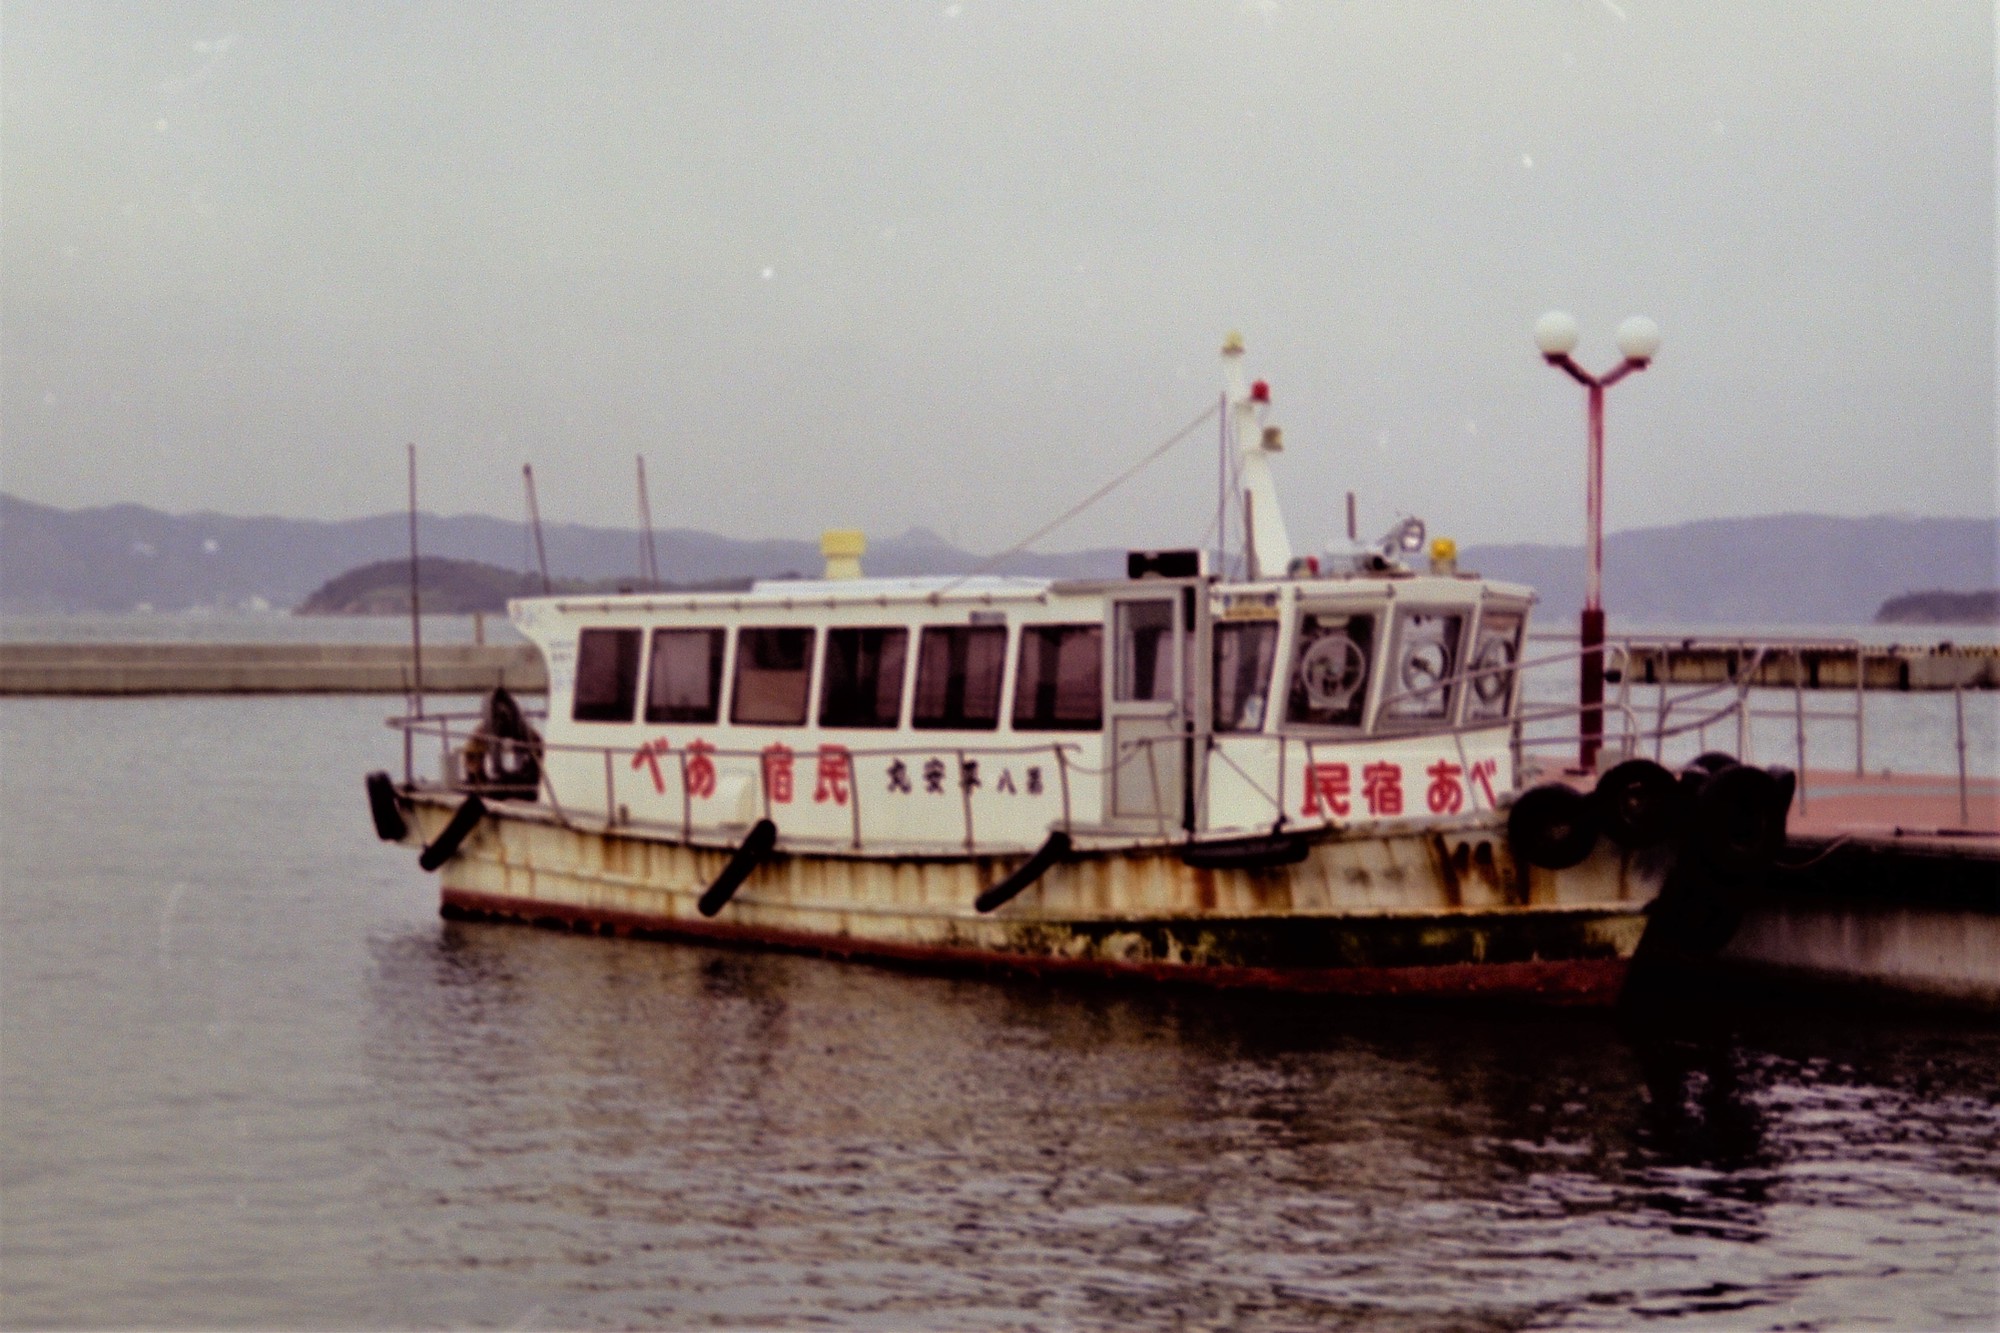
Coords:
1788,787
1706,765
1050,852
1265,852
1639,804
762,838
1693,918
390,826
1739,821
1552,826
456,832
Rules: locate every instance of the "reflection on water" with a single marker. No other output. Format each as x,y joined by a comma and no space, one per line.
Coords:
249,1078
681,1135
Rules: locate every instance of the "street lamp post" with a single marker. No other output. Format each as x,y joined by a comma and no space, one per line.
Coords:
1638,340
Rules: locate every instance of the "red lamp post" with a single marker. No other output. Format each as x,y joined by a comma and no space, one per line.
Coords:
1638,340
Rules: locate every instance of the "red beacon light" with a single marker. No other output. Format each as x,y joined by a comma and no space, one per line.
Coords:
1260,392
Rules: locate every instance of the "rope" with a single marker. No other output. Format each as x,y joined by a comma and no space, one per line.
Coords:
1824,852
1082,505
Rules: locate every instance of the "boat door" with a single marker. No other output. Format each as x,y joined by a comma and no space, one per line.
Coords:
1146,711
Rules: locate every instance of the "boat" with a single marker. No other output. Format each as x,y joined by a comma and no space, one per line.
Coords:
1309,773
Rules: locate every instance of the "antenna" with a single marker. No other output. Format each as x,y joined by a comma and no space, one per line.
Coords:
535,526
1222,486
416,621
1353,531
649,554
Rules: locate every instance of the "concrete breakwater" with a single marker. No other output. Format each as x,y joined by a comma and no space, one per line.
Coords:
265,668
1815,666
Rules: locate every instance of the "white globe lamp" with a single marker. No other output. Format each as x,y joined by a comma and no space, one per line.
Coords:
1639,339
1555,333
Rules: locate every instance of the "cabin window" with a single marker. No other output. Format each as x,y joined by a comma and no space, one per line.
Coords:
607,675
1490,670
1424,657
684,683
958,677
1059,680
1244,652
1330,669
1145,657
864,678
773,674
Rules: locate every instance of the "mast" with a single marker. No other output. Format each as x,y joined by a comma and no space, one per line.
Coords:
416,620
649,554
1267,546
535,524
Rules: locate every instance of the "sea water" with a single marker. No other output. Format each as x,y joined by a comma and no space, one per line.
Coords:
248,1078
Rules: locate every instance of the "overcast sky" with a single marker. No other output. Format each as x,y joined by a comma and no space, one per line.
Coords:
954,264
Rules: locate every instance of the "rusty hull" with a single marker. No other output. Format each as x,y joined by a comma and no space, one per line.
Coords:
1411,912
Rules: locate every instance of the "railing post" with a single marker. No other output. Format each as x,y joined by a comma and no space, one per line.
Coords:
965,799
1860,707
1964,804
854,797
687,799
1153,775
1281,776
1062,773
1799,714
1660,722
610,794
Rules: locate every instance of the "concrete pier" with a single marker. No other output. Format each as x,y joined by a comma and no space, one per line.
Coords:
1816,666
265,668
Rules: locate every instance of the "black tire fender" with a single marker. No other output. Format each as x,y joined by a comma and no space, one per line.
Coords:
386,808
447,843
1739,821
1050,852
763,836
1552,826
1639,804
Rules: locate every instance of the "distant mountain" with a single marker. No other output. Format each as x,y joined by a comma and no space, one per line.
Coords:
127,556
1787,569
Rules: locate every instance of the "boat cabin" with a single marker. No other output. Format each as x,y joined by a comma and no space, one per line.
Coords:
892,716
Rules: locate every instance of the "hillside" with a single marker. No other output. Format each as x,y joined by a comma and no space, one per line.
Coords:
458,587
126,556
1941,607
1778,570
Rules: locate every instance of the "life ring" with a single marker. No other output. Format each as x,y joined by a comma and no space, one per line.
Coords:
1552,826
1638,803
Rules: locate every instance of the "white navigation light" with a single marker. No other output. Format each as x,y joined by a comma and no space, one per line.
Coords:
1555,333
1638,339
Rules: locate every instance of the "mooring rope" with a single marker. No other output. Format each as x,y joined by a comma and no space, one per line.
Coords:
1079,507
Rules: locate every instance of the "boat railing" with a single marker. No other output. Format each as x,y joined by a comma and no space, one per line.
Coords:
452,731
1757,667
1544,731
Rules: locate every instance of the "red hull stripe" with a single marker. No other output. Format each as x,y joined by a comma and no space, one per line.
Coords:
1578,981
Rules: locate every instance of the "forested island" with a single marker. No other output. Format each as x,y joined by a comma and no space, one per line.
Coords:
1941,607
458,587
